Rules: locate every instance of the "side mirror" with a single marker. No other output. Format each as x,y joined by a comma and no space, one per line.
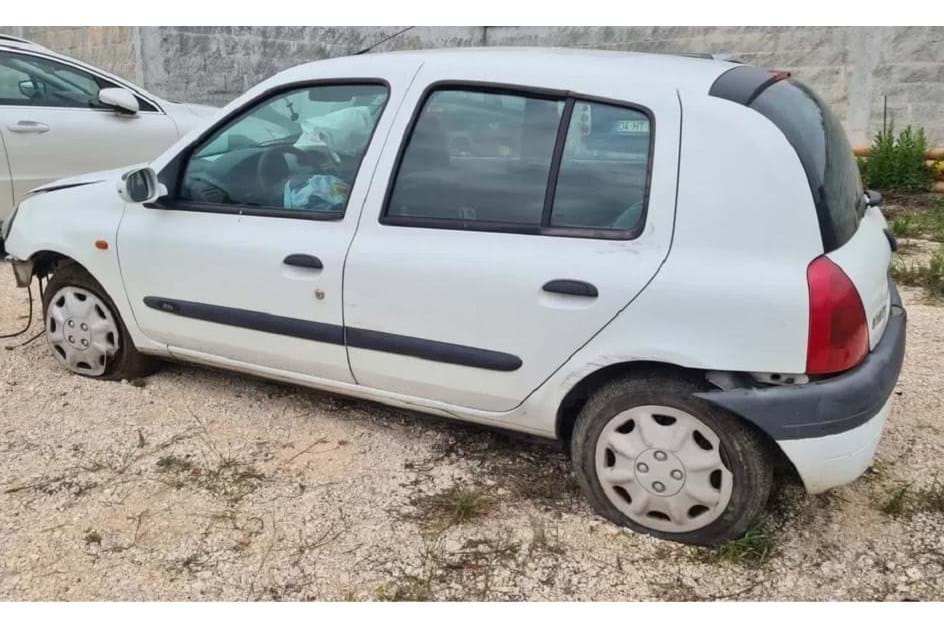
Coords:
141,186
119,99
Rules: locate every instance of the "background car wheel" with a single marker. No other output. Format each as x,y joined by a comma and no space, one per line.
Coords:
652,457
84,330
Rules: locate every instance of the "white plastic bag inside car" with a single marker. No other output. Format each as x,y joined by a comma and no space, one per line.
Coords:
343,131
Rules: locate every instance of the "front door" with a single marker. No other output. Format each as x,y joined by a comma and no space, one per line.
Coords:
516,224
244,259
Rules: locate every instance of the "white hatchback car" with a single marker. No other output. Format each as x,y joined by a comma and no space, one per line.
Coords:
667,263
60,117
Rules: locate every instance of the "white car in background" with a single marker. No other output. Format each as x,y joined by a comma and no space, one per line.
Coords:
60,117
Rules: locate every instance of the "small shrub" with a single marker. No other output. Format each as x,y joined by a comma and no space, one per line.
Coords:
878,170
897,163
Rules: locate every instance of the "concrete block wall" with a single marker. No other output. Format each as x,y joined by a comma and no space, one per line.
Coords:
113,48
854,68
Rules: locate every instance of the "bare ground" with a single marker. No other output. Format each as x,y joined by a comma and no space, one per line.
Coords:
200,485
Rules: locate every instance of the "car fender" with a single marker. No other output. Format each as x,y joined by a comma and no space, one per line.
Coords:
46,222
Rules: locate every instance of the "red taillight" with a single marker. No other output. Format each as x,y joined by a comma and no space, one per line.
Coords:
839,335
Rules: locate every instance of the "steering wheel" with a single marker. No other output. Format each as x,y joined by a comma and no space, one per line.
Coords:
272,170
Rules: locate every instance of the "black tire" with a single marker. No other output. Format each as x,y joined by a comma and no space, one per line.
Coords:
743,449
128,363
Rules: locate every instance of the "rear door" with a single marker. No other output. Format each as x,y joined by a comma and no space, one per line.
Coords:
53,125
504,229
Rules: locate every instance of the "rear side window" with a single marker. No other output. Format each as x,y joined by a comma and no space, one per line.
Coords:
818,138
602,179
478,157
487,160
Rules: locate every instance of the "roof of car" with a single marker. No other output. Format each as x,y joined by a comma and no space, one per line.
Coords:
19,42
675,70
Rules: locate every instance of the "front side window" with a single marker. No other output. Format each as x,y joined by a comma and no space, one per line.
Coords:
38,82
298,150
504,161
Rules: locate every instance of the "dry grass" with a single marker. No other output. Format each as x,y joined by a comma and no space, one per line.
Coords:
451,507
907,500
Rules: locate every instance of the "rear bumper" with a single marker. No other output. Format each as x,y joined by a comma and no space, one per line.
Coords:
829,428
827,462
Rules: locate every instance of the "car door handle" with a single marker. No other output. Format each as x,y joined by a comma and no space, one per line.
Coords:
303,260
571,287
28,126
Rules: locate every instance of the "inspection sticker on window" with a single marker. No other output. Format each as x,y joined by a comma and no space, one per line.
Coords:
632,126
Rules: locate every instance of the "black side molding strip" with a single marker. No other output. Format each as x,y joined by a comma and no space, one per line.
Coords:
426,349
432,350
250,320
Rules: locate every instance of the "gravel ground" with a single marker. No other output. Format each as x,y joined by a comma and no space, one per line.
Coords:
204,485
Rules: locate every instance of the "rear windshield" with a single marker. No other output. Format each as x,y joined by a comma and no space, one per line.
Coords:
820,142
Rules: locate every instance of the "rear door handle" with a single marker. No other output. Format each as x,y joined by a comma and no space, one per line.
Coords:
28,126
303,260
571,287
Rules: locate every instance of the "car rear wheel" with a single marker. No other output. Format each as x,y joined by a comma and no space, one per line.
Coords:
84,330
654,458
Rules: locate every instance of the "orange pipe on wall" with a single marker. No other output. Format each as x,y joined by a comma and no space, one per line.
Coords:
933,154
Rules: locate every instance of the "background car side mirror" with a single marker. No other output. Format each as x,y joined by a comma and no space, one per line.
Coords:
141,186
119,99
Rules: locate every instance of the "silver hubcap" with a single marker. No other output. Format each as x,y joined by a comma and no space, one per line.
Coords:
81,331
662,467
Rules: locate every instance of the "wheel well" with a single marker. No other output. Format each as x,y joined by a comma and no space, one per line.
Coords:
573,402
575,399
47,262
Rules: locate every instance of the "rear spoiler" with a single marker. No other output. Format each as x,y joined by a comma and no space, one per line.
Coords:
745,83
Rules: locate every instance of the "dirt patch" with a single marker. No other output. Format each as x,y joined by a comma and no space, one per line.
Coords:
202,485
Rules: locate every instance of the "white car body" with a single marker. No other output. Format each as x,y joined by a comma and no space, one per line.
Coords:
40,143
715,283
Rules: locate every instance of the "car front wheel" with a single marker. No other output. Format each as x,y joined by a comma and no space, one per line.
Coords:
84,330
654,458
